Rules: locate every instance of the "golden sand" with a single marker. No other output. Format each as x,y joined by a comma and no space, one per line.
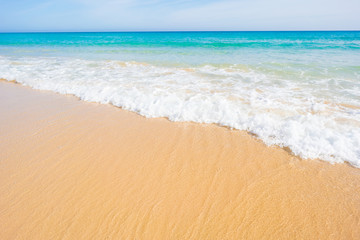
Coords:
76,170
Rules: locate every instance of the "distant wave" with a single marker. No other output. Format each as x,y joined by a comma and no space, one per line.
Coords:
258,40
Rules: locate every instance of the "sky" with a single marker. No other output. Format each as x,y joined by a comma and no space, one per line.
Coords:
178,15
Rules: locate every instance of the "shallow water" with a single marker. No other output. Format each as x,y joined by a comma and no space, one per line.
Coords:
299,90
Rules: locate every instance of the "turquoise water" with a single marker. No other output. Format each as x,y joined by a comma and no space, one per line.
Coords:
294,89
185,47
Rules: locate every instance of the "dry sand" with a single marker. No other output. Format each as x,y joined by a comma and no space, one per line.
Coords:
76,170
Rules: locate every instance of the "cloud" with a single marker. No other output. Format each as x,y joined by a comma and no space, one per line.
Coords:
270,15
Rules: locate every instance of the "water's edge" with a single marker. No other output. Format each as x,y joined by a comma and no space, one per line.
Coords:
254,135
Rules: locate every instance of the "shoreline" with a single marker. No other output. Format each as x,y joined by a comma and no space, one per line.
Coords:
285,148
72,169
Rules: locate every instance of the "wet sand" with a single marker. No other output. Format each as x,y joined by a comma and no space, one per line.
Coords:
76,170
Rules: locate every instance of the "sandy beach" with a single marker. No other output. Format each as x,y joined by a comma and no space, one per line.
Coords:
71,169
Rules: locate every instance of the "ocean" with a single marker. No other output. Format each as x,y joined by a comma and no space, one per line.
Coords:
299,90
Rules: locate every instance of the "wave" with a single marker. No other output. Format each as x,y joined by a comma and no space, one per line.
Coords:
314,113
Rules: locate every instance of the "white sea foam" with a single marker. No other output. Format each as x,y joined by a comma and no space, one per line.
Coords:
315,114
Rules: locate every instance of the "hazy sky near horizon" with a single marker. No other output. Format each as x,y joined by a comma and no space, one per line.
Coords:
178,15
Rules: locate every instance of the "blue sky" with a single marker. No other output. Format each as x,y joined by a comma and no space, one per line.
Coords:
178,15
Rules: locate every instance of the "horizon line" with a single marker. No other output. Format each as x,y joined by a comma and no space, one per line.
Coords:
174,31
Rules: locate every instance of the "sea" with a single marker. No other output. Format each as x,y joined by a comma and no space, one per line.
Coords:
299,89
